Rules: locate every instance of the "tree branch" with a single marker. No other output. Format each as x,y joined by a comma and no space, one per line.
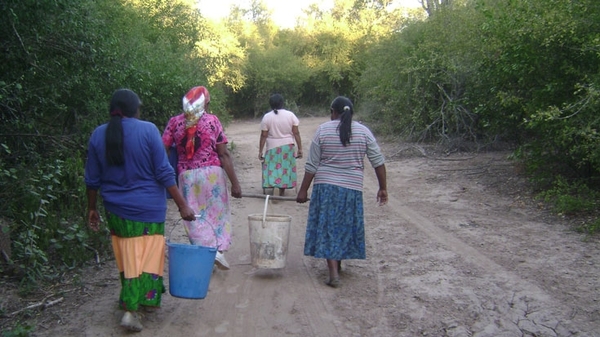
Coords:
44,303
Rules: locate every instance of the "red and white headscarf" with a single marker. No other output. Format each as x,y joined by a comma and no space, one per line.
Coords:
194,106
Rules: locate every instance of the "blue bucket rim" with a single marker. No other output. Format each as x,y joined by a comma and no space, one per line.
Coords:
189,246
173,244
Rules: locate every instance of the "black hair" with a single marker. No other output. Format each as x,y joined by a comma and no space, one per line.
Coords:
276,102
124,103
343,106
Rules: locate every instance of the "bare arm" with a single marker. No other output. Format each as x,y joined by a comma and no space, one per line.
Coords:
186,212
93,216
227,164
302,196
382,196
296,133
261,144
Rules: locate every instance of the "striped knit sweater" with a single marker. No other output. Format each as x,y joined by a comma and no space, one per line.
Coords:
335,164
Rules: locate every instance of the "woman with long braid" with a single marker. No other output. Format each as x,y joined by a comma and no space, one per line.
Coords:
127,163
335,227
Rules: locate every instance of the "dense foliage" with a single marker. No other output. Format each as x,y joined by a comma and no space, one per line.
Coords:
62,59
462,73
525,72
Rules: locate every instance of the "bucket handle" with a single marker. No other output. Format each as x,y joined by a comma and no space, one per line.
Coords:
188,233
264,219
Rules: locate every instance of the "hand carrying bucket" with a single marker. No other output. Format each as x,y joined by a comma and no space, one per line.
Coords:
190,268
269,238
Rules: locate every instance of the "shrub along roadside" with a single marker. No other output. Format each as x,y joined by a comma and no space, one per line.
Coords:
523,72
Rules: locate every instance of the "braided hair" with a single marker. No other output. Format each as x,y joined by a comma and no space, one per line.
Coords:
124,103
343,106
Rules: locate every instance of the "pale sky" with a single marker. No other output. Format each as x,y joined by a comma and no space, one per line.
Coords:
284,11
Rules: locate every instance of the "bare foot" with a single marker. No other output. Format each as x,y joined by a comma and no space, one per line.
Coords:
334,283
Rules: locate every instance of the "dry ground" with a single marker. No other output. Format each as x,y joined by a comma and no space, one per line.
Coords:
460,250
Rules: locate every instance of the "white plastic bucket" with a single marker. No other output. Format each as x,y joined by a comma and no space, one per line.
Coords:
269,238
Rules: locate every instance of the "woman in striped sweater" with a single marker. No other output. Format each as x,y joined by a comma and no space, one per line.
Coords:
335,226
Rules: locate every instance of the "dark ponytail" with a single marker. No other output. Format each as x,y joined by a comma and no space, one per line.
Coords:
124,103
276,102
114,142
343,106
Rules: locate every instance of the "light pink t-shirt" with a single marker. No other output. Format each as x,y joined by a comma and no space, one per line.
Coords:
280,127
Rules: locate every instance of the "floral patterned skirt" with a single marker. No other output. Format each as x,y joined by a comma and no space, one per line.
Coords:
335,227
205,190
279,168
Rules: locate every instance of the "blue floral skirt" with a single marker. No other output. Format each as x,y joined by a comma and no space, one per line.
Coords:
335,228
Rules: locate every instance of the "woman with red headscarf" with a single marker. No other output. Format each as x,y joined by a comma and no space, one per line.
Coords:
203,166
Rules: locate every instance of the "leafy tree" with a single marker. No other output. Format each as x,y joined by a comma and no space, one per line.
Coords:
224,58
50,79
422,75
270,64
61,62
435,6
542,70
522,71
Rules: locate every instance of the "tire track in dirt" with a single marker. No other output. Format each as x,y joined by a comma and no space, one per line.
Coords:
248,302
501,302
447,257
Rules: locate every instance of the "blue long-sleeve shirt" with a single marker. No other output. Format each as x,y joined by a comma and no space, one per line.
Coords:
136,190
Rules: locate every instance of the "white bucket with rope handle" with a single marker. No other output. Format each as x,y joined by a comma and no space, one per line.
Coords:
269,238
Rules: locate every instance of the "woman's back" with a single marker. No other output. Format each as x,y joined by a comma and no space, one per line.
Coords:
338,164
208,135
279,127
142,177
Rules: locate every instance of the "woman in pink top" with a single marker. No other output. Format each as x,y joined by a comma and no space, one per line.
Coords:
279,130
204,163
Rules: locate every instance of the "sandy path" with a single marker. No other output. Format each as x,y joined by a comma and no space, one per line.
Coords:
456,252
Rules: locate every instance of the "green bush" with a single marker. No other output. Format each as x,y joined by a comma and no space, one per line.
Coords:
570,198
591,227
49,233
18,331
61,61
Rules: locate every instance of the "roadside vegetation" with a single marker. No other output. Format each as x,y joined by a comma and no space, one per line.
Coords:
469,75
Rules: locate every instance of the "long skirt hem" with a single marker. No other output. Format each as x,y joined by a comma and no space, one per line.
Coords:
335,225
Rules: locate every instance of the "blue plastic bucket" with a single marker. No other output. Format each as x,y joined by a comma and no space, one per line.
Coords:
190,269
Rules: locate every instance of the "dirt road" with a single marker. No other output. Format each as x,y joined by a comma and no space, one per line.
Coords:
456,252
